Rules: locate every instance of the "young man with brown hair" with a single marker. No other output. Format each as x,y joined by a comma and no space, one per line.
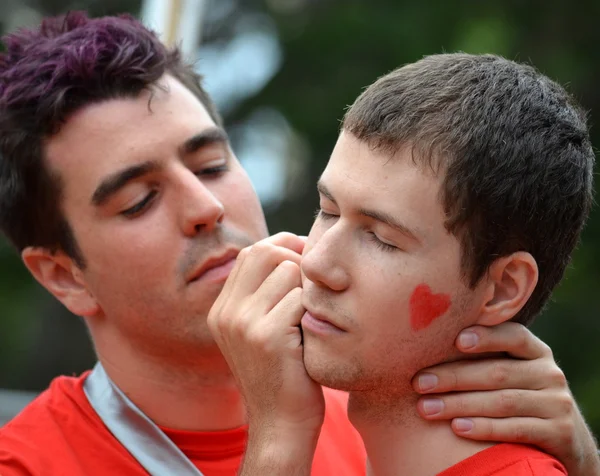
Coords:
454,197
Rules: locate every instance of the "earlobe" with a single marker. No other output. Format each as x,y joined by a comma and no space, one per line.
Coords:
59,275
511,281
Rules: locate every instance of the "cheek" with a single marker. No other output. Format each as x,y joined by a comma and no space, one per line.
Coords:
426,306
240,200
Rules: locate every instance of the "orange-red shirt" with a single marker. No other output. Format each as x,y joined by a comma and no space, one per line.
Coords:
507,460
59,433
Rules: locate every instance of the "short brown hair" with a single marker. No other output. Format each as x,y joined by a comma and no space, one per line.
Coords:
514,149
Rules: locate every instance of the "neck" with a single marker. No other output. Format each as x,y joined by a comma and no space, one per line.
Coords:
196,394
399,441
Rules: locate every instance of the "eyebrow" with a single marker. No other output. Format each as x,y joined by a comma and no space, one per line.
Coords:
115,182
214,135
380,216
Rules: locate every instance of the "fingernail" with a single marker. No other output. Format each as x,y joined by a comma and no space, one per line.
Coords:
468,339
463,425
427,382
432,406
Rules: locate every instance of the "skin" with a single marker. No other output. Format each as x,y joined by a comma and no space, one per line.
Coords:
148,323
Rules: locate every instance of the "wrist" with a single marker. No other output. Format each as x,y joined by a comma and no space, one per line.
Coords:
283,450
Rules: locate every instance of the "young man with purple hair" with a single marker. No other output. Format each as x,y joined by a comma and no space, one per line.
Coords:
120,191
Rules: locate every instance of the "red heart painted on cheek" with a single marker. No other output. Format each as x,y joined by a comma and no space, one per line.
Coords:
426,306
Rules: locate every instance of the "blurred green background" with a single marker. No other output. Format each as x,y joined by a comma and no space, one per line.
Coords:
282,72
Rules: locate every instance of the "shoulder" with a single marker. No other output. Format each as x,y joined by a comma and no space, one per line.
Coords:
530,461
508,459
545,465
52,404
38,428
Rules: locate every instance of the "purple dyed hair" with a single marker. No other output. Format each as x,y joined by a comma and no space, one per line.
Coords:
46,75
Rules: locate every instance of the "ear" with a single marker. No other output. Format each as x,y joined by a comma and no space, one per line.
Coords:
59,274
510,282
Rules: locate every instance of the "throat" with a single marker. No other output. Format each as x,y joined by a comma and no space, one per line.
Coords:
182,398
399,441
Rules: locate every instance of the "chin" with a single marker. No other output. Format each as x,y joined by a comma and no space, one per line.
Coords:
333,373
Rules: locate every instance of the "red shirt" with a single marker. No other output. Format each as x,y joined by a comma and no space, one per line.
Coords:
59,433
507,460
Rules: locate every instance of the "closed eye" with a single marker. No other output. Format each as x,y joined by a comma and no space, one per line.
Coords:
381,244
139,207
319,213
212,172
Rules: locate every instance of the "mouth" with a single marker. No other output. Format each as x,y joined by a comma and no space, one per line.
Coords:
319,324
216,268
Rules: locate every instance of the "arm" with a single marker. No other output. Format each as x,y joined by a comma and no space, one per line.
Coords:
255,322
278,452
523,398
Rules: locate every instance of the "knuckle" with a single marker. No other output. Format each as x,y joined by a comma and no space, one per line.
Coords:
284,235
565,403
215,320
509,403
457,405
522,336
256,337
259,248
244,252
452,379
212,322
296,293
565,430
558,377
547,350
235,327
522,433
289,266
500,374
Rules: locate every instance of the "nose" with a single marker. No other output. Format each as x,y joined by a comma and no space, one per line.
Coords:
200,208
325,261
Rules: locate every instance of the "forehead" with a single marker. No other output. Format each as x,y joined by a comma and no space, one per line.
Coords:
112,134
359,172
360,177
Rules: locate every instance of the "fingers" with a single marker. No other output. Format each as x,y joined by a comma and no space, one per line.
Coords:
269,333
496,404
491,374
255,263
288,313
239,311
263,275
287,240
534,431
509,337
284,278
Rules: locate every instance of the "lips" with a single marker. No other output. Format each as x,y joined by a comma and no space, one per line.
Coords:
218,266
315,319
